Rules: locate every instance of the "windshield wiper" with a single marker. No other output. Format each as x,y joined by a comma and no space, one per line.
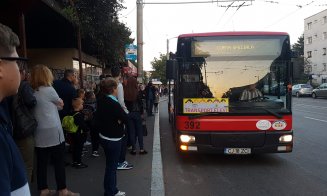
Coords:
272,113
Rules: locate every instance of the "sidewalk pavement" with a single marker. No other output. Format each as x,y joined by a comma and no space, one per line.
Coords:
89,181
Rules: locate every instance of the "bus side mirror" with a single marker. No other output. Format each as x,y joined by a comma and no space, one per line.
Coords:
171,69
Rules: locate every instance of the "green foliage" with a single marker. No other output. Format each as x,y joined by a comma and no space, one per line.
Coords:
71,14
103,35
159,67
298,47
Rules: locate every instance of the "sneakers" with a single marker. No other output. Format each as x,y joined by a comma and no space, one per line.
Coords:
68,193
124,166
133,152
120,193
48,192
79,165
95,154
143,152
85,150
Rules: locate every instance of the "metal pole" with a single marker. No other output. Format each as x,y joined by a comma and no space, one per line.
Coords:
167,49
139,4
22,34
79,44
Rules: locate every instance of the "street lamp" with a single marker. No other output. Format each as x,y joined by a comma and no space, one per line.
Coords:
168,39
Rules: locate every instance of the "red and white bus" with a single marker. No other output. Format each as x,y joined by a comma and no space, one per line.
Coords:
208,109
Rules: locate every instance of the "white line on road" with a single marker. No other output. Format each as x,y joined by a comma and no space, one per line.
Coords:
316,119
309,112
311,106
157,183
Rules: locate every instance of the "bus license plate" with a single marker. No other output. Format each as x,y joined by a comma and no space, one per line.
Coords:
237,150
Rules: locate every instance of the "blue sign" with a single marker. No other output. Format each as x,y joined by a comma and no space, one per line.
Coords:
130,52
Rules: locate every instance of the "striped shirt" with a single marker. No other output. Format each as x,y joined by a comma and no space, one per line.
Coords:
248,95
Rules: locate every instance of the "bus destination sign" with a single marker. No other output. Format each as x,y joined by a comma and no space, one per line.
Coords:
205,105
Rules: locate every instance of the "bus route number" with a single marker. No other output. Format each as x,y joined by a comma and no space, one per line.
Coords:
191,125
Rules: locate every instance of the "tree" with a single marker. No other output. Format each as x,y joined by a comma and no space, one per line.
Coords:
159,67
298,47
103,35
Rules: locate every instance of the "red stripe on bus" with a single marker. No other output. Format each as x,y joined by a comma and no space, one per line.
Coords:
228,123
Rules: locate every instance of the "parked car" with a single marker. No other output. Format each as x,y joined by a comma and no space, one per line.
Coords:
320,91
299,90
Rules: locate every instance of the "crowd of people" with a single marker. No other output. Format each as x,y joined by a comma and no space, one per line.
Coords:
42,116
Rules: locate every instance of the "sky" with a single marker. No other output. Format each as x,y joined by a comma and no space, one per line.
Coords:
162,21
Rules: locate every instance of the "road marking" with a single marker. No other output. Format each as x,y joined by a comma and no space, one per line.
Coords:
157,183
309,112
316,119
312,106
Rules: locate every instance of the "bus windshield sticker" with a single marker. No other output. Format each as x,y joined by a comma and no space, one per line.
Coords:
279,125
263,125
207,105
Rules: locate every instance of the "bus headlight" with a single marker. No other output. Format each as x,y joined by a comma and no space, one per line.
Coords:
187,138
285,138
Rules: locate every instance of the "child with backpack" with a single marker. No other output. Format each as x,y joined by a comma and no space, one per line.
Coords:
75,126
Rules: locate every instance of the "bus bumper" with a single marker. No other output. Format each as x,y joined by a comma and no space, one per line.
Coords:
238,142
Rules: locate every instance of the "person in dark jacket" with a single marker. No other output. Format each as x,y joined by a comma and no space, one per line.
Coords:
13,180
26,144
110,120
150,96
66,91
134,104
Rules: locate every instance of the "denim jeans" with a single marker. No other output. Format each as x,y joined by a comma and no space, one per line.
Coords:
112,152
150,106
123,147
135,129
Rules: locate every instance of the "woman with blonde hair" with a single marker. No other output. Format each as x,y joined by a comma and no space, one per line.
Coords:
49,137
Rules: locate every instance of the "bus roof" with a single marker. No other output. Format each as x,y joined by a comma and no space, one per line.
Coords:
231,33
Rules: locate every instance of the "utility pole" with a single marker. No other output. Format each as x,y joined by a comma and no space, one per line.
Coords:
167,49
139,4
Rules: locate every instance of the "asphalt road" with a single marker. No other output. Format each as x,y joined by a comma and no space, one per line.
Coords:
302,172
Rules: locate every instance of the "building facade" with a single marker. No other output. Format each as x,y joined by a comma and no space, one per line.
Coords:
315,44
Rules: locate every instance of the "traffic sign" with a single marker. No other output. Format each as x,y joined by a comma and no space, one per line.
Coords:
130,52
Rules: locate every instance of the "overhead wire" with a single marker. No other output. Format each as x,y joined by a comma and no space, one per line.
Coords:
130,12
197,2
288,15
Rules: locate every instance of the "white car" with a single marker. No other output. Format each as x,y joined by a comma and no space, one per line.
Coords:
299,90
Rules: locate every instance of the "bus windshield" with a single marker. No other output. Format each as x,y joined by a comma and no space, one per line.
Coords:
244,72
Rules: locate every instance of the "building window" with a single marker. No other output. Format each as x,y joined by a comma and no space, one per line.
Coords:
309,25
324,51
309,53
309,40
324,35
324,20
324,67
